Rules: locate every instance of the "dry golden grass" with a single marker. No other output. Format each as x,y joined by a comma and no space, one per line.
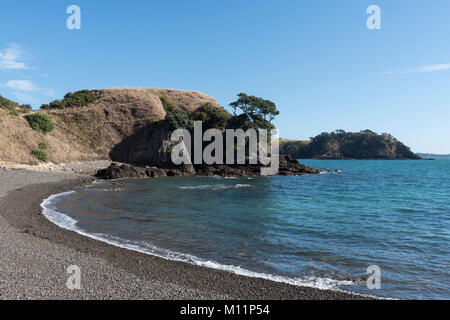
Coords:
89,133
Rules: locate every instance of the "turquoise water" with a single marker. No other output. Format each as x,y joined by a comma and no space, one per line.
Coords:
318,230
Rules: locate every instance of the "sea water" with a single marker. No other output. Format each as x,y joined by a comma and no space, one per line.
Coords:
321,231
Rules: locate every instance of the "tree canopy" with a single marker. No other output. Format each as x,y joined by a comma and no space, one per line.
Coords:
257,113
212,117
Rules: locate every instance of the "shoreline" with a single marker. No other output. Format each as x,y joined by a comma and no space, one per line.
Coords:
170,279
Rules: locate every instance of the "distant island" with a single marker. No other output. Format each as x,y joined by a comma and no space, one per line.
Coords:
433,155
339,144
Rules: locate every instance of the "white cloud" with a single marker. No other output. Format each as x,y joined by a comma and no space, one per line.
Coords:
13,58
21,85
421,69
24,97
432,68
26,91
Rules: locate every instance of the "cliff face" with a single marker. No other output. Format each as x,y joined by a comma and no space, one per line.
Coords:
120,123
349,145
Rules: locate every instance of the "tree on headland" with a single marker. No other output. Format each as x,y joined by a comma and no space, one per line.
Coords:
257,113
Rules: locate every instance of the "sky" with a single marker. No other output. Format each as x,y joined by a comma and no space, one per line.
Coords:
316,59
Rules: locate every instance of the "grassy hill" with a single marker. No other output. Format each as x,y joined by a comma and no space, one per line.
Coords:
89,124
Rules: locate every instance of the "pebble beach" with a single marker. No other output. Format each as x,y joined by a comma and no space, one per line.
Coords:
35,255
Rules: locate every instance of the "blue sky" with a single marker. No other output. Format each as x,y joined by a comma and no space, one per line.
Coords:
316,59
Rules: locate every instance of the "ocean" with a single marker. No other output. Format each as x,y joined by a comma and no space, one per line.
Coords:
320,231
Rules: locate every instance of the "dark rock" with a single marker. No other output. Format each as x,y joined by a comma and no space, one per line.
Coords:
117,171
156,172
288,167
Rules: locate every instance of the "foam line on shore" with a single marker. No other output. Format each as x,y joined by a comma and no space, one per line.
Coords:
64,221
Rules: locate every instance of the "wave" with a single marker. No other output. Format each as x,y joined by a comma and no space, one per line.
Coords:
94,183
216,187
237,186
324,171
64,221
225,178
58,218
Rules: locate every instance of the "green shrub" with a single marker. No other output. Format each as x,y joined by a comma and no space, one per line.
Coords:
211,117
176,118
40,122
72,100
40,155
43,145
14,113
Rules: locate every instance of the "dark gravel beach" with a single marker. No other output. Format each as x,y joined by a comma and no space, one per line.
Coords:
35,255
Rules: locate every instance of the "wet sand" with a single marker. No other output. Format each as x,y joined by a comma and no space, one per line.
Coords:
35,255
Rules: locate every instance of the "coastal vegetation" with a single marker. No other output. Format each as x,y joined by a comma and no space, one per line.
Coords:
176,118
249,112
256,113
73,100
40,122
40,155
42,145
212,117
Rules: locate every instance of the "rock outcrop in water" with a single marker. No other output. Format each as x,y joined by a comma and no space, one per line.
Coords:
288,167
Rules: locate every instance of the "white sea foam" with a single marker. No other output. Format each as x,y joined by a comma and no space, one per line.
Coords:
216,187
324,171
58,218
236,186
201,187
66,222
226,178
94,183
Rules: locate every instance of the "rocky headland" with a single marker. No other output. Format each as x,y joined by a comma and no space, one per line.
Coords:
131,127
341,145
